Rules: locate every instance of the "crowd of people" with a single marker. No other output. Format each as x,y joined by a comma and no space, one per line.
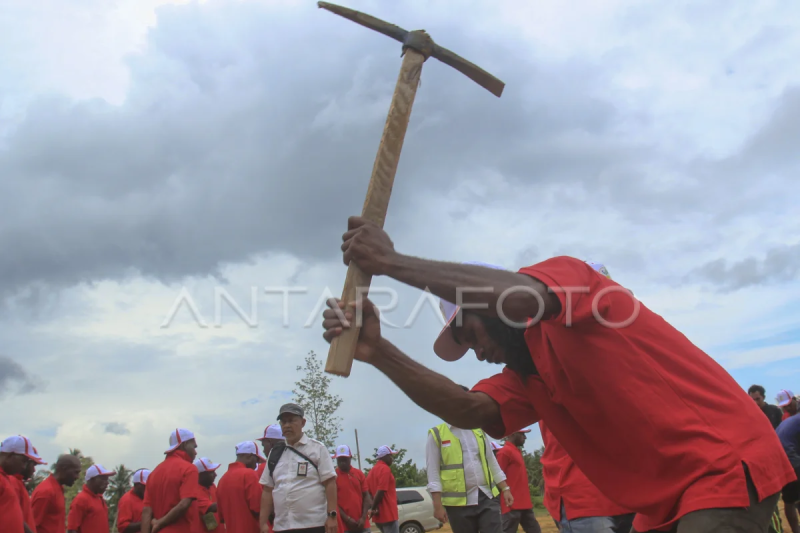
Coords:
642,430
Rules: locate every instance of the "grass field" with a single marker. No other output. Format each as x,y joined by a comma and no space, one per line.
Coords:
548,526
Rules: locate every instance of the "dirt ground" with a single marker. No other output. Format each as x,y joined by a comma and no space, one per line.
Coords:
548,526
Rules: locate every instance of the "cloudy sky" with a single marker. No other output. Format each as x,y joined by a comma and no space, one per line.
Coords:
151,149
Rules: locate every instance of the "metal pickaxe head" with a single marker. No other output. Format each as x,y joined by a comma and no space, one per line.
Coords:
421,42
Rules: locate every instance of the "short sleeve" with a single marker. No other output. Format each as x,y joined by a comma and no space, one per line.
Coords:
503,459
147,493
40,504
580,289
326,469
266,478
252,492
124,515
203,502
384,481
76,512
516,410
190,487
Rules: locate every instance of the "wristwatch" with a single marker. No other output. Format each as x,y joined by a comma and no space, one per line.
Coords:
332,514
507,488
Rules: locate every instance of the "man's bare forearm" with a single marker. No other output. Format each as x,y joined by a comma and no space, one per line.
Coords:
147,518
434,392
366,505
330,494
266,507
476,285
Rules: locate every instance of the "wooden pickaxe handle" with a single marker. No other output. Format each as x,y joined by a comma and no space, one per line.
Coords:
343,347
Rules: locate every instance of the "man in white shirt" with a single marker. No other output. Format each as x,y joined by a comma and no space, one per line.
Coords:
465,480
299,481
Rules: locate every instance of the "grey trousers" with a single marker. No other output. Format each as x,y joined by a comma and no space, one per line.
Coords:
596,524
481,518
389,527
525,518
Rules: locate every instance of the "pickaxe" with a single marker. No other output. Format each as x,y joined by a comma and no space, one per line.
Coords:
417,47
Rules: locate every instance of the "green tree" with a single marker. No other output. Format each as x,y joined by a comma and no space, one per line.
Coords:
118,485
319,404
405,474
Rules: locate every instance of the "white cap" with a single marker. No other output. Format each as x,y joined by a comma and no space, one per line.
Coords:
272,432
21,446
496,446
178,437
141,475
445,346
250,446
383,451
204,464
343,450
526,430
784,397
600,267
97,470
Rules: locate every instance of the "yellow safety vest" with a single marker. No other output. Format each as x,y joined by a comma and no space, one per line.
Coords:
451,471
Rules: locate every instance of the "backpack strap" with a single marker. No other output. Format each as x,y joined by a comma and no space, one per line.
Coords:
274,456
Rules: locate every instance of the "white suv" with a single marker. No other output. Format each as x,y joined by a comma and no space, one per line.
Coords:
414,510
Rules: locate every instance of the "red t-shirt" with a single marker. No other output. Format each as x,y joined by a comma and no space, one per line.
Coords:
129,510
10,509
88,513
208,497
564,482
350,489
24,501
239,496
509,457
173,480
48,507
654,422
381,478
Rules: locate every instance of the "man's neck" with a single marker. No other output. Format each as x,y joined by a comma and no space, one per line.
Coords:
294,441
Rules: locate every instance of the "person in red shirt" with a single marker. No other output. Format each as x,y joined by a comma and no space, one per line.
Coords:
383,488
239,491
581,353
272,436
88,512
24,498
787,402
172,488
509,457
206,504
131,505
571,499
15,454
352,493
47,500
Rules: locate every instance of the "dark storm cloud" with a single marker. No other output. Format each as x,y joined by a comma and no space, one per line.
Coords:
228,145
247,130
15,379
781,264
116,428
